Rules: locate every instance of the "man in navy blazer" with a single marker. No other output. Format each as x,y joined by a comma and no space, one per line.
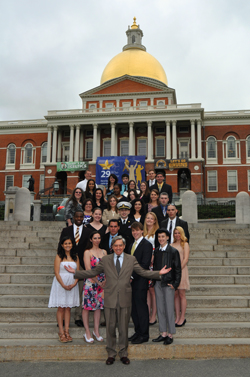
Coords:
161,186
142,250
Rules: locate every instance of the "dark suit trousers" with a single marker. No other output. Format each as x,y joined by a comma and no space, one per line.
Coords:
121,316
140,314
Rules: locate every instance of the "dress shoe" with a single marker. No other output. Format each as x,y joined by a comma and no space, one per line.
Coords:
152,323
79,323
133,337
103,324
183,323
90,340
159,339
98,338
139,340
168,340
125,360
110,361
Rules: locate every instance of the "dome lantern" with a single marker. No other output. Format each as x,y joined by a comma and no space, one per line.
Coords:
134,35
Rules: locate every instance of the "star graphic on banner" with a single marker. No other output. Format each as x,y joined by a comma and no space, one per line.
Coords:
106,165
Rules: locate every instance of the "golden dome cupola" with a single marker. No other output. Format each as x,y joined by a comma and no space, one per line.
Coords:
134,60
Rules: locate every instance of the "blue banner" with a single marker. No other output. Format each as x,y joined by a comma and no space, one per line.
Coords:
134,166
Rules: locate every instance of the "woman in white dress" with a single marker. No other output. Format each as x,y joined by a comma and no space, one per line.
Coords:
150,227
64,293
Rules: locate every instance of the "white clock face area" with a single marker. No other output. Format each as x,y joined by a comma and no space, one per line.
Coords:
49,171
196,167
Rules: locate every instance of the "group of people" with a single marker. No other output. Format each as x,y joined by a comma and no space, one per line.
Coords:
120,247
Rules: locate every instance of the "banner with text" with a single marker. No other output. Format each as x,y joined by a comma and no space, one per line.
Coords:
134,166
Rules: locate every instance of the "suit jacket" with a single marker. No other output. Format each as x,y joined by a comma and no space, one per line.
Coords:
118,288
143,255
179,222
81,247
165,188
125,231
105,243
159,214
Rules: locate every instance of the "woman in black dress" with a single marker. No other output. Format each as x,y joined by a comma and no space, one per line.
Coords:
98,199
96,222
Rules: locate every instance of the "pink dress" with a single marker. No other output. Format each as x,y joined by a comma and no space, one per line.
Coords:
184,284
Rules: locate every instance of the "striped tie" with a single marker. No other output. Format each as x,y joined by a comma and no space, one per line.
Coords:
77,236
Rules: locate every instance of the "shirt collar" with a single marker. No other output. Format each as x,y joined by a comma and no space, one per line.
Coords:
138,241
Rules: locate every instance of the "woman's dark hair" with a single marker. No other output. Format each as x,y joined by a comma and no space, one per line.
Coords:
89,243
147,192
134,191
118,185
142,210
108,206
85,202
87,191
115,178
93,211
130,182
73,198
94,196
61,251
157,192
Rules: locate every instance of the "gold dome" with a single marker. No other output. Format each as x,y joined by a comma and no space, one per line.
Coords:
134,62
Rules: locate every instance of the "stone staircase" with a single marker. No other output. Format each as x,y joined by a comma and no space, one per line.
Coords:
218,314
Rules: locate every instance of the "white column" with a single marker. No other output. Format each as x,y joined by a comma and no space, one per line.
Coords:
81,145
95,149
152,102
174,140
134,102
100,105
84,105
54,144
168,143
49,144
117,104
71,142
199,149
131,139
192,139
150,141
77,140
59,145
113,146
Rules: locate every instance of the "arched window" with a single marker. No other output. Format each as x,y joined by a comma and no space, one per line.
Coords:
11,154
231,147
248,147
44,153
211,147
133,39
28,153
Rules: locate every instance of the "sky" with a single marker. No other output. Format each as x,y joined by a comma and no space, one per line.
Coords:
53,50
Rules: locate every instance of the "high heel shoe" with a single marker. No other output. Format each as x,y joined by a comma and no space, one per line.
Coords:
91,340
68,337
183,323
62,337
98,338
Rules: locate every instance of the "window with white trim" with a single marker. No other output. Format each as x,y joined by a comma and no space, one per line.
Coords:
25,182
28,156
66,149
107,147
160,103
109,106
212,182
44,153
211,149
248,148
9,181
124,147
41,183
231,150
92,106
89,149
11,156
183,148
232,181
248,176
160,147
142,147
143,103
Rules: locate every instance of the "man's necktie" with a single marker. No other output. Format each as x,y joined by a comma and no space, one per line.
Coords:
133,248
110,248
118,266
164,211
170,231
77,236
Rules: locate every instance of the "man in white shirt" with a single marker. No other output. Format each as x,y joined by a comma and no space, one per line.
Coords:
173,221
83,183
142,250
151,176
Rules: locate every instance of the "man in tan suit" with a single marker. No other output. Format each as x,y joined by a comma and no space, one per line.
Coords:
118,268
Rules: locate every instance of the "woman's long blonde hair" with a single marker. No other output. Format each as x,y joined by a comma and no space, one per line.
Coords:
155,226
183,237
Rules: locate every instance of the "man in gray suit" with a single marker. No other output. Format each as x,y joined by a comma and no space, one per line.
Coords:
118,268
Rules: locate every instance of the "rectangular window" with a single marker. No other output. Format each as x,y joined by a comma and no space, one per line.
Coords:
89,133
66,153
183,148
212,184
126,104
232,184
160,130
143,103
109,105
9,181
107,148
142,147
248,174
41,185
160,147
89,149
124,148
183,129
25,182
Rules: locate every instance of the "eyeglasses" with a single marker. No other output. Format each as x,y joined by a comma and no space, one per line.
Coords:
77,192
